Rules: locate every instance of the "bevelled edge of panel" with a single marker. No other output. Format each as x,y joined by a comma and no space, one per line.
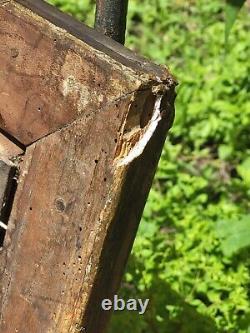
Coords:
97,40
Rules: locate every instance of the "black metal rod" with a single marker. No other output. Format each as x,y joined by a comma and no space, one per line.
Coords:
111,18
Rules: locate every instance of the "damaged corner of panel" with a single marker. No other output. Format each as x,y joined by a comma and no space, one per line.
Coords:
148,109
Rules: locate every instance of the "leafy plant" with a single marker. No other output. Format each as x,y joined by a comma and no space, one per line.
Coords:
232,9
234,234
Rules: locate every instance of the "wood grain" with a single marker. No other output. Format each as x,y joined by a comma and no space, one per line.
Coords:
94,124
48,77
74,219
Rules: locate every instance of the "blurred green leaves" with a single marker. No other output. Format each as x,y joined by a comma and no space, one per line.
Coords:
244,171
232,9
234,234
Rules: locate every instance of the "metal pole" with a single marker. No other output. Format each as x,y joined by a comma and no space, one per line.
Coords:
111,17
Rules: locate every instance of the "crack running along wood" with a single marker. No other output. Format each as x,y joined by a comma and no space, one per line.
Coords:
93,117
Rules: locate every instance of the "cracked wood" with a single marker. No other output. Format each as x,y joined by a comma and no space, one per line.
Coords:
94,117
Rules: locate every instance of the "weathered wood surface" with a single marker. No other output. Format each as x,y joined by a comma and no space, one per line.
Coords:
48,77
84,182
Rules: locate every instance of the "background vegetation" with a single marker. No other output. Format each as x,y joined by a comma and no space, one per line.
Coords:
187,257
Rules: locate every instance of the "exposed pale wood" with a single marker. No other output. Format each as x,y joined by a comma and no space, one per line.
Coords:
95,124
74,219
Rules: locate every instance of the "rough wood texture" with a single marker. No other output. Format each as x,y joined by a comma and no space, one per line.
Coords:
48,77
84,182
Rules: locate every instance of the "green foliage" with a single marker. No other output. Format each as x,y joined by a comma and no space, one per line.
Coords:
83,10
234,234
180,259
232,9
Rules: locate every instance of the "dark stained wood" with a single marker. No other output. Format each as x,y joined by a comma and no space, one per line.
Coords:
95,124
9,155
5,171
96,40
74,219
48,78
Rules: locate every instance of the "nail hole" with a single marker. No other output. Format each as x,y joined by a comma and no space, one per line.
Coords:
60,205
14,53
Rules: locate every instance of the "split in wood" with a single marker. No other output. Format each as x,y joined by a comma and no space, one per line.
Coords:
9,153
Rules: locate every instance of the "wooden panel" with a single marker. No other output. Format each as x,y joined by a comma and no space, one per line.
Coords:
112,49
80,197
94,117
48,78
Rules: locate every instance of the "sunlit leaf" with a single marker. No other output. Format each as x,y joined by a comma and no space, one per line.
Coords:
234,234
244,171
